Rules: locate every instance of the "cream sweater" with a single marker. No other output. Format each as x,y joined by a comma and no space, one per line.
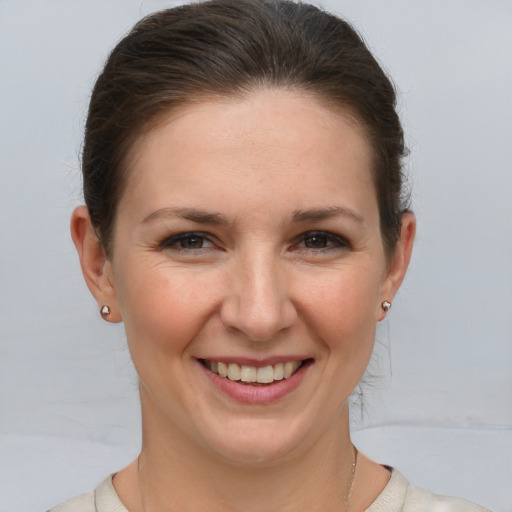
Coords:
398,496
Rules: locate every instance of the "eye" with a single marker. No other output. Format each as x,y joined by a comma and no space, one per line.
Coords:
192,242
321,241
186,242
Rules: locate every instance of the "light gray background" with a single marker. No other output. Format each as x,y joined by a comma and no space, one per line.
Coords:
441,413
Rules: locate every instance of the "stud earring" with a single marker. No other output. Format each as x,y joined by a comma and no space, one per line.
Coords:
105,310
386,305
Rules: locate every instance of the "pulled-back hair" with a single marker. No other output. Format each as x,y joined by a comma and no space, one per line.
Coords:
228,48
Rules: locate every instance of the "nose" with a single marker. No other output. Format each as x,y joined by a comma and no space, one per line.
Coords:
258,304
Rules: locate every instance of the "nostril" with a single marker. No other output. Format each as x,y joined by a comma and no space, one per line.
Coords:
257,321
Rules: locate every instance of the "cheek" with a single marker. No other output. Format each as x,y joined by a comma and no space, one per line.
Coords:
343,308
165,308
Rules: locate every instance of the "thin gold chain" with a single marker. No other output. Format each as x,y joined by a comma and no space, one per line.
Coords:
352,478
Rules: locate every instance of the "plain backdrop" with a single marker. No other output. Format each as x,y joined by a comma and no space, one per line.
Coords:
439,404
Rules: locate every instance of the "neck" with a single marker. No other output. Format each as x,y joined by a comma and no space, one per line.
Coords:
171,470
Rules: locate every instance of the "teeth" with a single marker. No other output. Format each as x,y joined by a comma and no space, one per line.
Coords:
248,374
222,369
279,371
262,375
265,375
288,369
234,372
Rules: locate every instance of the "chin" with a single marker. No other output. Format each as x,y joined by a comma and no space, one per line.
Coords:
252,456
258,445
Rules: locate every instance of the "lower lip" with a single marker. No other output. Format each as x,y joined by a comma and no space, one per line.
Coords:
248,394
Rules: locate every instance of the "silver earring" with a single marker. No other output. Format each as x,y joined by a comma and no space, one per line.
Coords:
105,310
386,305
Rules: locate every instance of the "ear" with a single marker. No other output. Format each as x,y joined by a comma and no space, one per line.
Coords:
399,261
96,267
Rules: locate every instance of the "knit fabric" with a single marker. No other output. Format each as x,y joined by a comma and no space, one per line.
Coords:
398,496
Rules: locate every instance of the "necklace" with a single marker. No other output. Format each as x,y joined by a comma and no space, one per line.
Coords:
352,477
347,496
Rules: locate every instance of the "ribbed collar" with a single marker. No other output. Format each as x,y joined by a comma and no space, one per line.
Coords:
391,499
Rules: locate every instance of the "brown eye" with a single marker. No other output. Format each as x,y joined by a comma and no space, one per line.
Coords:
321,241
316,242
186,242
192,242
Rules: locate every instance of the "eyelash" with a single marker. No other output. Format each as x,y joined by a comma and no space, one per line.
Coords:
174,241
331,240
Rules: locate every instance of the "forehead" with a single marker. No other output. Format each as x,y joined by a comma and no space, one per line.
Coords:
267,142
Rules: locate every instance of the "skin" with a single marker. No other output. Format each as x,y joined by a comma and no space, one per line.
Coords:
280,276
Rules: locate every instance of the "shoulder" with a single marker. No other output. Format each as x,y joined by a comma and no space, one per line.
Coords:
401,496
82,503
103,499
419,500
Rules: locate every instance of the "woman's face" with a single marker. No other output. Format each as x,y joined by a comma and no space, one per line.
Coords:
247,240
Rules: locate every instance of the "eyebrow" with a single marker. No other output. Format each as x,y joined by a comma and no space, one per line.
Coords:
192,214
205,217
326,213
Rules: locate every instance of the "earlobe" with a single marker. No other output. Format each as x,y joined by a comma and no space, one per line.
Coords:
399,261
96,268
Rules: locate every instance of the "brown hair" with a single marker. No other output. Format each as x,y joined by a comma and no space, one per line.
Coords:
229,47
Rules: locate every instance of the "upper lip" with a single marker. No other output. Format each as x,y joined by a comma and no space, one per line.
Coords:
248,361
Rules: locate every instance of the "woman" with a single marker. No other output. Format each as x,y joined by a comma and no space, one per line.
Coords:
245,220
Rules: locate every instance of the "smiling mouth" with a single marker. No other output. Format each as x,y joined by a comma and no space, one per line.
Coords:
252,374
